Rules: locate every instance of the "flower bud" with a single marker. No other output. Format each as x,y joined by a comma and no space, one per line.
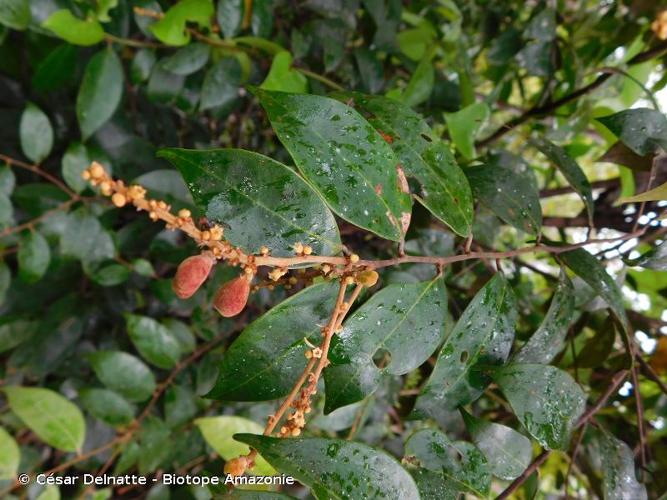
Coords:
232,297
190,275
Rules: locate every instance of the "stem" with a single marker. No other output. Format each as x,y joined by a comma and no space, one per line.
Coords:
39,171
320,78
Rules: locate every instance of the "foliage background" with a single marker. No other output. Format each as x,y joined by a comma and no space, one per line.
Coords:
98,81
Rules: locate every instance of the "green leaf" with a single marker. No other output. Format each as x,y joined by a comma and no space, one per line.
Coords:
50,492
10,455
123,373
656,258
643,130
154,341
507,187
405,321
507,451
142,65
107,405
57,69
188,59
589,269
421,82
179,405
265,361
482,337
445,191
7,180
260,202
547,401
34,256
549,339
15,14
111,275
464,125
282,77
229,15
218,433
221,84
14,332
171,29
656,194
74,30
5,280
343,157
100,91
56,421
335,468
36,133
614,460
598,348
6,211
75,160
570,170
84,239
460,465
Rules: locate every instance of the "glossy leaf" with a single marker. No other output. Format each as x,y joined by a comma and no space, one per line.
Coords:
283,77
10,455
335,468
547,401
464,125
57,69
219,431
643,130
221,84
482,337
343,157
85,239
265,361
259,201
188,60
406,321
100,91
549,339
171,29
589,269
154,341
123,373
15,14
445,191
75,160
33,256
507,187
56,421
107,405
656,194
570,170
36,133
460,465
74,30
615,461
229,16
507,451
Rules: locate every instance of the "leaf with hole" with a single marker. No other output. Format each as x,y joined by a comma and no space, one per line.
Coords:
260,202
335,468
283,77
547,401
403,323
481,338
344,158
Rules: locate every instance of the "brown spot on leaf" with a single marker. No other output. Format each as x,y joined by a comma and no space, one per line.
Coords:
402,180
378,189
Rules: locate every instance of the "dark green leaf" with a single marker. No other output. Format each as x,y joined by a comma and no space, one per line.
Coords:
343,157
283,77
229,15
171,29
445,191
36,133
656,258
549,339
48,414
155,342
334,468
261,202
10,455
111,275
507,187
598,348
221,84
507,452
547,401
75,160
460,465
74,30
100,91
542,26
420,86
179,405
34,256
570,170
188,59
643,130
14,332
15,13
182,333
85,239
266,359
142,65
107,405
156,443
6,211
405,322
164,86
7,180
482,337
464,125
56,69
124,374
615,461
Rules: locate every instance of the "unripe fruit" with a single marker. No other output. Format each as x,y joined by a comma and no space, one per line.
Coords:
367,278
232,297
190,275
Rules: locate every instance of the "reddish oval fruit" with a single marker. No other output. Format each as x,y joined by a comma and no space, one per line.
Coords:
190,275
232,297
